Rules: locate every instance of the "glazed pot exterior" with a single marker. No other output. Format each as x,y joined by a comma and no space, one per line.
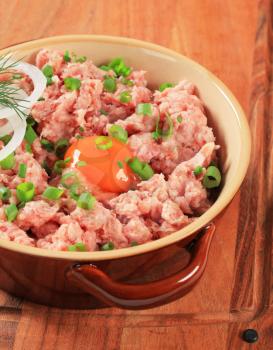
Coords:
43,280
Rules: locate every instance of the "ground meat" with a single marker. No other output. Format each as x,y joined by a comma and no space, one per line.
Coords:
53,58
138,77
34,172
44,230
172,214
66,235
172,198
102,221
11,232
138,123
168,202
185,188
60,124
88,101
136,231
144,146
82,71
40,154
190,130
36,214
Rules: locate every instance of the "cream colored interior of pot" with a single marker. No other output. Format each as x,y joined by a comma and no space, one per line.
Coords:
224,113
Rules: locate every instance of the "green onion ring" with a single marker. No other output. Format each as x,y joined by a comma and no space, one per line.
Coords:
103,143
212,177
118,133
142,169
25,191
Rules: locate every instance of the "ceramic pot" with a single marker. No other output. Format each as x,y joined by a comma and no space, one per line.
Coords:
121,277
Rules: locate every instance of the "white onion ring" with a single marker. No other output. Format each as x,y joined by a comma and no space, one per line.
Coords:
14,123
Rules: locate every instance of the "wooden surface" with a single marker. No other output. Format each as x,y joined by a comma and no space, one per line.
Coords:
233,39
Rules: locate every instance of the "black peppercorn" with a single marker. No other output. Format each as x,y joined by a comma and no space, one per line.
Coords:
250,335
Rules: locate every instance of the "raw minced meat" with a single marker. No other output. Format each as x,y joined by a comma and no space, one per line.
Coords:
173,138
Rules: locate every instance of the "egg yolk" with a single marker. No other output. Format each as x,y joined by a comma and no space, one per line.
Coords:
102,161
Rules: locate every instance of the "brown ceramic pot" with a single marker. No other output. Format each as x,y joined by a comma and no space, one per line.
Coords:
121,277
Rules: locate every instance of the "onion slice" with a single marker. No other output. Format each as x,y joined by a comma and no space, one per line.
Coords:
14,123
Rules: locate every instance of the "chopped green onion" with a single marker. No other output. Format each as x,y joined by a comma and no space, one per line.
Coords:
126,71
67,160
47,145
107,246
81,59
120,164
198,170
86,201
17,76
212,177
48,71
74,191
102,111
52,193
8,162
30,135
11,212
125,97
5,193
127,82
103,142
41,99
118,133
80,247
72,84
135,164
155,135
115,62
68,179
81,163
61,147
22,170
164,86
134,243
6,139
119,67
142,169
58,167
144,109
81,129
49,81
67,58
25,191
28,147
110,84
179,119
78,137
105,68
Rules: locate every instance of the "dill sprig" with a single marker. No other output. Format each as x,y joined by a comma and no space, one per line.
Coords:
9,93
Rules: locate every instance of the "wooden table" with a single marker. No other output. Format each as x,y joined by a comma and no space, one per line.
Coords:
232,39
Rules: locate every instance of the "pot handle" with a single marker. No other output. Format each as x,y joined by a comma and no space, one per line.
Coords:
138,296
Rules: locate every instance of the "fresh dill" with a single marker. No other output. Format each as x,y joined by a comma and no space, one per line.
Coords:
9,92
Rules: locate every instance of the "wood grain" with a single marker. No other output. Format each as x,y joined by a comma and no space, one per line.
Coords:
236,291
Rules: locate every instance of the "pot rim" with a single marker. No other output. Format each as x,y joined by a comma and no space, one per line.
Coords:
188,230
